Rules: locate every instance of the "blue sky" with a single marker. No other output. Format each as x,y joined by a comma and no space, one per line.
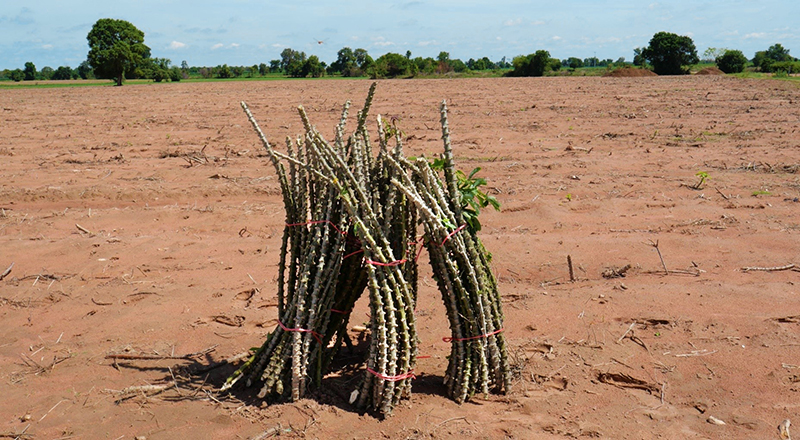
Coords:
241,32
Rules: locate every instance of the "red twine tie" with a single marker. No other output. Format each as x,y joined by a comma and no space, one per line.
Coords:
397,378
398,262
472,337
459,229
389,264
352,253
316,335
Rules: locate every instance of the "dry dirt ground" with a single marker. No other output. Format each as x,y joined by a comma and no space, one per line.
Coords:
146,220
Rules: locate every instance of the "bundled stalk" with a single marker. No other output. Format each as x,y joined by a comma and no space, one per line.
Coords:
478,361
339,187
383,236
316,291
351,222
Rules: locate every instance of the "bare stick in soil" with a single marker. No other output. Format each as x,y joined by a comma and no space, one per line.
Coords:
664,265
571,270
6,272
749,269
82,229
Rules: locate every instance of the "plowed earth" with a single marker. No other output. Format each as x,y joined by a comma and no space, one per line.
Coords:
146,220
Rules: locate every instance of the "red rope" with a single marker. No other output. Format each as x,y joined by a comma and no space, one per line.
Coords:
390,264
459,229
353,253
472,337
341,312
397,378
316,335
419,252
398,262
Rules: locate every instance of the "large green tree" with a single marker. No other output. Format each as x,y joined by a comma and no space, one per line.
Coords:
313,67
46,72
363,60
292,62
116,47
351,62
671,54
30,71
345,61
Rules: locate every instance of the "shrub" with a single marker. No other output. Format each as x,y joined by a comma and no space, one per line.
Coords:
787,67
175,74
391,65
732,61
224,71
765,59
531,65
63,72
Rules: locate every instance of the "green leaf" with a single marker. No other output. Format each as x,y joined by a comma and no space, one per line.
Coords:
438,164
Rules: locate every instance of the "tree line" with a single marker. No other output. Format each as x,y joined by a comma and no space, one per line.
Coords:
351,63
117,51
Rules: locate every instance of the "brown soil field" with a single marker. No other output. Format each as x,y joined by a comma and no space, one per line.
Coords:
147,220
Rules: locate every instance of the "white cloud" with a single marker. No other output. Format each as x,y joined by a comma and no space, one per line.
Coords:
221,46
47,46
277,45
514,22
756,35
557,38
538,22
380,41
426,43
177,45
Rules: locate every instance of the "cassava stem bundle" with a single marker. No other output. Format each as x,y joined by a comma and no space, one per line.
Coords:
478,362
351,223
321,274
